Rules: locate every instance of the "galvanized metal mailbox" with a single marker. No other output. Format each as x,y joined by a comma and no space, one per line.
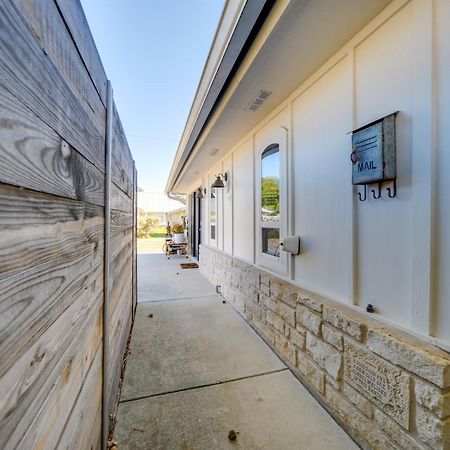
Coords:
373,152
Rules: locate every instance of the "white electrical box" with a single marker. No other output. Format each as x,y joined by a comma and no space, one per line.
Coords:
291,244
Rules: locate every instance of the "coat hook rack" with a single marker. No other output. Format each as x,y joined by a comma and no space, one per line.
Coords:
392,193
374,194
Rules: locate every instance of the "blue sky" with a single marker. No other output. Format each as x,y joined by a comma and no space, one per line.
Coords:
153,52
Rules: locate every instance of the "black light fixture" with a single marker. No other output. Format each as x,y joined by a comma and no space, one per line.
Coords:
199,193
219,181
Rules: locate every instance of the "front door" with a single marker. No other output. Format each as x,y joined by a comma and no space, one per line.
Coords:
196,226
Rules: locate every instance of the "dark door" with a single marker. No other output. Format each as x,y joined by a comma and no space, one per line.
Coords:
196,226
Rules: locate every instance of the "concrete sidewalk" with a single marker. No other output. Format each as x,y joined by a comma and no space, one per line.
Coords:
197,370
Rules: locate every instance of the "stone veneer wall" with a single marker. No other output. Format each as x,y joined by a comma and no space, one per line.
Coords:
387,388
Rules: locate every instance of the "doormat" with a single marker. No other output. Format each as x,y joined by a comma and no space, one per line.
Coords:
189,266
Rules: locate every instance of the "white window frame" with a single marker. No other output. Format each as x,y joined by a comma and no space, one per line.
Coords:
278,264
210,239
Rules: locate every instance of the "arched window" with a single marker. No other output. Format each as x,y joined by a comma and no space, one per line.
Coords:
212,213
270,200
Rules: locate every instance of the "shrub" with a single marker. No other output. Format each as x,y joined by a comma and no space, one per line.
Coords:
146,226
177,228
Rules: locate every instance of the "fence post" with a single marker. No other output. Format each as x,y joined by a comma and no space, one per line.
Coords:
106,264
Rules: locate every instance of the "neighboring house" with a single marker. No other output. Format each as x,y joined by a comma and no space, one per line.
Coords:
362,314
159,205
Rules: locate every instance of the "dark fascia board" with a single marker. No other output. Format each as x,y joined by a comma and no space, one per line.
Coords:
248,25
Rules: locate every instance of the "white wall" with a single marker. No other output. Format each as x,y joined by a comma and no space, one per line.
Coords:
393,253
383,84
243,201
228,207
322,184
441,267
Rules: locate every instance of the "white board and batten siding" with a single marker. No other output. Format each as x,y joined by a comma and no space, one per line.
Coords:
52,187
392,253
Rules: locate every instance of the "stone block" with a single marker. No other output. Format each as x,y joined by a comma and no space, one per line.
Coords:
275,320
265,279
333,337
287,331
252,277
431,364
324,355
432,430
311,372
345,322
268,302
300,329
286,349
310,300
433,398
297,339
395,432
358,422
289,296
240,302
358,400
335,383
255,310
265,289
382,383
276,288
286,312
265,330
311,321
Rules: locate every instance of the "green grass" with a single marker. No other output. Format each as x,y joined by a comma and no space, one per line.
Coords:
158,235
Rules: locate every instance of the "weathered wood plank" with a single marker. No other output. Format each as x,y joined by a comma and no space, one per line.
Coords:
76,21
120,221
123,331
47,25
47,427
122,161
42,267
33,156
83,429
33,78
22,208
120,201
44,384
120,327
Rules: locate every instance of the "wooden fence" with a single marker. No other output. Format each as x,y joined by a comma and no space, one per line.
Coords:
53,99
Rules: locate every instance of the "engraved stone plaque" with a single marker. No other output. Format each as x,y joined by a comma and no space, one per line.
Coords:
382,383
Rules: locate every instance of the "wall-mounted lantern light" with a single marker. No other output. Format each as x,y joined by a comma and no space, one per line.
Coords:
219,181
199,193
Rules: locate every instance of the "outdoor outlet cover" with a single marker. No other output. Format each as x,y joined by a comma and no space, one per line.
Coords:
291,244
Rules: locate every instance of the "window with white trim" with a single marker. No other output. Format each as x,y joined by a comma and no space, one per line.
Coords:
213,214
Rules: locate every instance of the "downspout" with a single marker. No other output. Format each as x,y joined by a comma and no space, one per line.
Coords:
178,198
106,265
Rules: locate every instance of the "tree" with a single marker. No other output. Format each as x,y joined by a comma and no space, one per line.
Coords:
146,226
270,194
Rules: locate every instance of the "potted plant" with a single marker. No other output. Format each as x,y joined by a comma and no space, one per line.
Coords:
178,233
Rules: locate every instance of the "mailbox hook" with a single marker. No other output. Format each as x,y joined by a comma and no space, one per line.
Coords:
361,198
392,193
374,195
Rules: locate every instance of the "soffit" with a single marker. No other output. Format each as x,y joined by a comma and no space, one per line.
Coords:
307,34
